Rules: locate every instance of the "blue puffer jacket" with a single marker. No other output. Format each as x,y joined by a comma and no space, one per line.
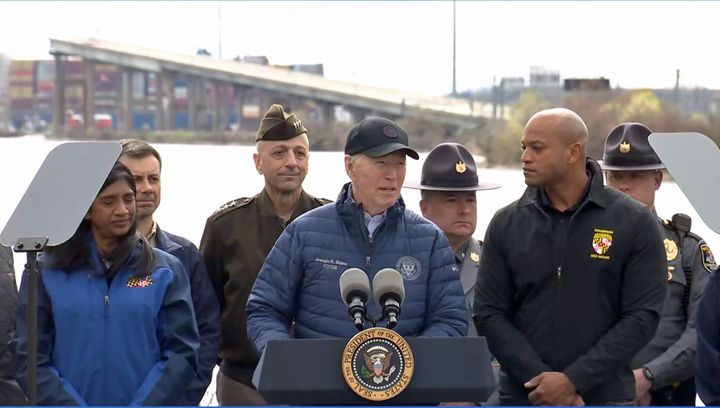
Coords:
299,279
133,342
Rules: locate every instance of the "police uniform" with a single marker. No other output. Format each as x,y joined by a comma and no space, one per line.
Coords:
668,359
237,238
451,167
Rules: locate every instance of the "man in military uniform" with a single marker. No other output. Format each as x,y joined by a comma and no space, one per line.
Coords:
664,368
448,184
240,234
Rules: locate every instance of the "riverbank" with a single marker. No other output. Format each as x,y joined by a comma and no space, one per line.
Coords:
164,136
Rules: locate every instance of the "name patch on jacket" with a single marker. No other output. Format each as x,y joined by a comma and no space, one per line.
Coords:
409,267
601,243
135,282
332,264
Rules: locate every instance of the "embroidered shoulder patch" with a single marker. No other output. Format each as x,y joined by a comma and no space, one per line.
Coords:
231,205
708,259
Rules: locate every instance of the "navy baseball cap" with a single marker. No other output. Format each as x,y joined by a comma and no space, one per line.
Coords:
376,137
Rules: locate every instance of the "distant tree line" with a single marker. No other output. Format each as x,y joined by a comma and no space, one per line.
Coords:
499,140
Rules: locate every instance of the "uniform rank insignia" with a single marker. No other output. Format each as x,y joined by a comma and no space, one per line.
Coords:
708,259
671,249
474,256
601,243
624,147
135,282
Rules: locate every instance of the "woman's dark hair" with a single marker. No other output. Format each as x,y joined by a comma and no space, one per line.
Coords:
75,252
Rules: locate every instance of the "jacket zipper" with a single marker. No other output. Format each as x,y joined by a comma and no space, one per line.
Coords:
369,252
567,234
106,313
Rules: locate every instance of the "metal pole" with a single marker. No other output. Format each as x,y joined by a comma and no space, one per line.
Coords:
32,246
220,30
454,89
32,327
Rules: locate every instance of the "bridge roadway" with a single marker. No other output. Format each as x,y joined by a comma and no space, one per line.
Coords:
446,110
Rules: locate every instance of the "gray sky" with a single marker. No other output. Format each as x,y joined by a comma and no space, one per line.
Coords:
403,45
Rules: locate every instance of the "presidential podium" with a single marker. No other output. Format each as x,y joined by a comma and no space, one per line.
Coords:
309,372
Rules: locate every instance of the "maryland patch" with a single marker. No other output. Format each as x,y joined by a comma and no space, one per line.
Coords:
601,243
135,282
708,259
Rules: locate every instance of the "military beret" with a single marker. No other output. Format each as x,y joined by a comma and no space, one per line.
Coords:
278,125
627,149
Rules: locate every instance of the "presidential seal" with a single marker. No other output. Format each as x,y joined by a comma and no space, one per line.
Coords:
409,267
377,364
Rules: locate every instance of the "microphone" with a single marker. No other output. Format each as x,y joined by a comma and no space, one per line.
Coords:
389,291
355,291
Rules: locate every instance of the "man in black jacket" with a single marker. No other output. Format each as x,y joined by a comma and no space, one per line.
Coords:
572,278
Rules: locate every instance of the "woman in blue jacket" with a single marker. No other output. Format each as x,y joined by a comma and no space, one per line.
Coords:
115,319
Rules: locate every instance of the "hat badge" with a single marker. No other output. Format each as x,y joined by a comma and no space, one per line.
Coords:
624,147
390,131
460,167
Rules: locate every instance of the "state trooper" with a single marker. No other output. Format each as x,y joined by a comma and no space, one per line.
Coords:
664,368
448,185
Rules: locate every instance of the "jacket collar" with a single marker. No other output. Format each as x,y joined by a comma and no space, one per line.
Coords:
267,208
96,261
163,241
469,267
597,193
347,206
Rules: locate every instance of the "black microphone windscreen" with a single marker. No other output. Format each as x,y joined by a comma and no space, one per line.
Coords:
354,282
388,281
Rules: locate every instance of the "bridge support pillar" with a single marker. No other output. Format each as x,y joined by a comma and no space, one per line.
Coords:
192,102
160,123
239,102
58,118
89,95
169,100
357,114
201,92
328,113
224,105
124,100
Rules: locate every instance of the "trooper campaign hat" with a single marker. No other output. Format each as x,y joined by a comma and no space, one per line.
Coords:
278,125
450,167
376,137
627,149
